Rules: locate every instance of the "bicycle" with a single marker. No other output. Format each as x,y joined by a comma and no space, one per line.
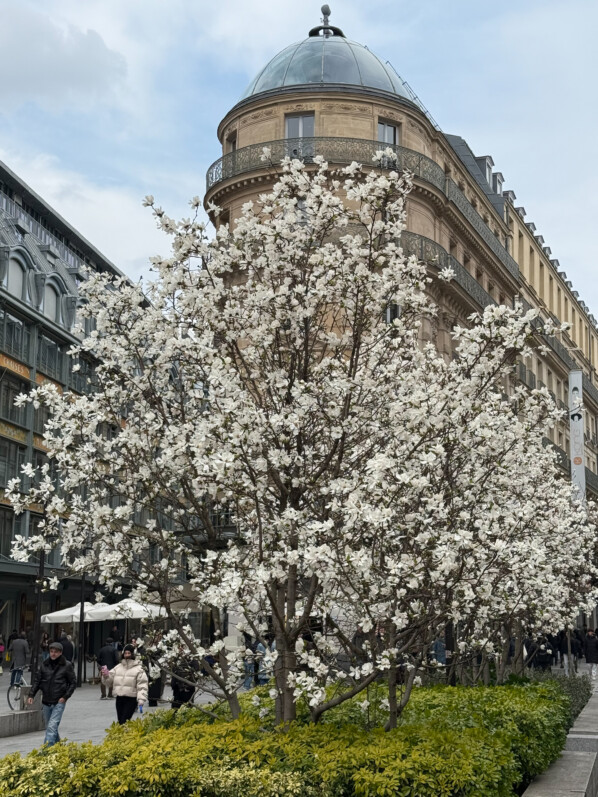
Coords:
13,694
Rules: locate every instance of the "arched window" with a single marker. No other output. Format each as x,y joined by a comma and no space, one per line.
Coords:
51,303
16,278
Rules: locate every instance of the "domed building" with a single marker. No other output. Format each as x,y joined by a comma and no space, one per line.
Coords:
328,95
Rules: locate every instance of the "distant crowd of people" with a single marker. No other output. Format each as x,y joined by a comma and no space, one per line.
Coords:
564,649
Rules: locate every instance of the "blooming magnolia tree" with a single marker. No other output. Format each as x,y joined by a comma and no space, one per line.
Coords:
373,493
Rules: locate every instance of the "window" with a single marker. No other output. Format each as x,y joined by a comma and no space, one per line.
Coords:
300,126
10,388
6,519
16,279
388,133
49,357
12,458
50,303
41,416
15,336
231,142
393,311
39,460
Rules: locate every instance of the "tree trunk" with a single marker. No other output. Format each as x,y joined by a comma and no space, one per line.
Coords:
286,663
486,670
451,656
518,660
392,684
504,656
405,697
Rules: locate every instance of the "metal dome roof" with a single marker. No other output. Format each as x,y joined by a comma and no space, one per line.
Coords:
326,57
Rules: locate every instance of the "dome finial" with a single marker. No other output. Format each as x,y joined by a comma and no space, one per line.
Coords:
326,29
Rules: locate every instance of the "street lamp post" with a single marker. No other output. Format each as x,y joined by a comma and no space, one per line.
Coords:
38,614
81,645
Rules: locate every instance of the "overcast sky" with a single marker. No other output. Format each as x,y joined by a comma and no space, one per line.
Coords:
104,101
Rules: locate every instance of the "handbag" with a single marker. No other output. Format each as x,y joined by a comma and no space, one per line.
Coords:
8,657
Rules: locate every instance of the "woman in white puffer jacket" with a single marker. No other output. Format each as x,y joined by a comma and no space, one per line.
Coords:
128,681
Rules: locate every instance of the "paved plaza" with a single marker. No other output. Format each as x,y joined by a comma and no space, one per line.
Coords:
86,718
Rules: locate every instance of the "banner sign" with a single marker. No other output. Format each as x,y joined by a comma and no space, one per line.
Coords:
576,428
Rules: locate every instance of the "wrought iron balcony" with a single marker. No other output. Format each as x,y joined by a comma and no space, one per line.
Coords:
429,251
342,151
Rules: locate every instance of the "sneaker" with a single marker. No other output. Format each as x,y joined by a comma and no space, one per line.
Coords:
103,697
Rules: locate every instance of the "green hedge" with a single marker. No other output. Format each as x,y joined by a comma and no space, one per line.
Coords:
470,742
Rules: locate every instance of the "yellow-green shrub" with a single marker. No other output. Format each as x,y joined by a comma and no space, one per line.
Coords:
476,742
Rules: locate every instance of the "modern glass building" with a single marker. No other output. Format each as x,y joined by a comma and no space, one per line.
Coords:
42,258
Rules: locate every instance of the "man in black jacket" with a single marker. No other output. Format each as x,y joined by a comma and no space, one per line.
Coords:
107,657
56,679
68,650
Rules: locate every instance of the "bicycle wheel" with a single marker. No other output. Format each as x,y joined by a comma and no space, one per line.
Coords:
14,697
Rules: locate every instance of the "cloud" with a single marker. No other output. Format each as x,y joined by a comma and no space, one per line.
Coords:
109,217
55,65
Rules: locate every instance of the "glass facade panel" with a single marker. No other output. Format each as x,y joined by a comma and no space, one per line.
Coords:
14,336
10,388
41,416
6,518
12,458
49,357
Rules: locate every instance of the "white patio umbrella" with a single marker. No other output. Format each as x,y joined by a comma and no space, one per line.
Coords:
127,609
70,614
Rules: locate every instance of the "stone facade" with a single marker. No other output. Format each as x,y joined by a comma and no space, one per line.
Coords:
457,214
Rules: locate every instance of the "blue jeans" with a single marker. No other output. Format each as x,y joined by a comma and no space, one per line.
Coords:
15,675
52,716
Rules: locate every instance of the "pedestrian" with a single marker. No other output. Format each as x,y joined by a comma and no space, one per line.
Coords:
567,641
55,679
438,650
44,646
183,680
2,652
116,637
265,659
107,657
19,651
249,662
68,651
155,673
591,652
543,660
128,681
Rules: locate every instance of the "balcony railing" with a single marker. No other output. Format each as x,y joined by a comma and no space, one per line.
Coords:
342,151
339,151
429,251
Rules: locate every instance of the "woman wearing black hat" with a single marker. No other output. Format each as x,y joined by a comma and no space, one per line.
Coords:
128,682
